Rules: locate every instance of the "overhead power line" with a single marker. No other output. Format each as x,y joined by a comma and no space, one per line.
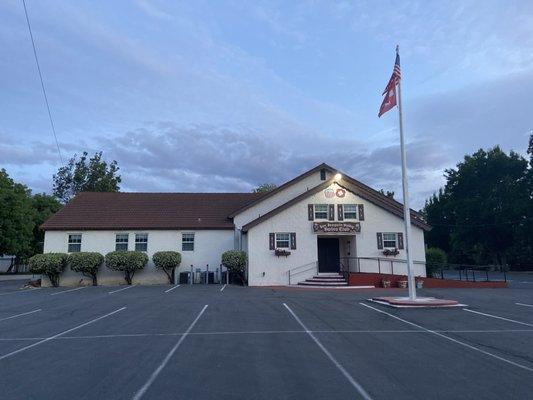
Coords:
42,83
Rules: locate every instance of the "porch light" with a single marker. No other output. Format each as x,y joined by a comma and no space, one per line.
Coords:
338,176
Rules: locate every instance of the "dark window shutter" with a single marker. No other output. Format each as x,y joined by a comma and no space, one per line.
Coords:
380,240
340,212
322,174
331,213
399,235
272,241
361,208
293,240
310,212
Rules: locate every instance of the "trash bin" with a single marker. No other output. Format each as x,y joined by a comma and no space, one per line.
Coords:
184,278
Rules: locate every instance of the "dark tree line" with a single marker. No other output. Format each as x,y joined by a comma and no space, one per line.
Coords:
484,213
21,212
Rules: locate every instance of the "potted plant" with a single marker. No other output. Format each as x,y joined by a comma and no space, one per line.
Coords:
402,282
386,283
419,282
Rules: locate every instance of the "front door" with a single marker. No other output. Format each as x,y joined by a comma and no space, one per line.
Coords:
328,255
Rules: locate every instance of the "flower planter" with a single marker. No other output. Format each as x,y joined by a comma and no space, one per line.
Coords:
419,283
386,283
282,253
402,284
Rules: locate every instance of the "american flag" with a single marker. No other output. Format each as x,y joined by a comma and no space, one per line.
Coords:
390,91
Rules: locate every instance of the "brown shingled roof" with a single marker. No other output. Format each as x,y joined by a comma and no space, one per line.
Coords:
103,210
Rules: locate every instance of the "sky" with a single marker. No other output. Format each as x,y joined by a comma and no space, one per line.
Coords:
226,95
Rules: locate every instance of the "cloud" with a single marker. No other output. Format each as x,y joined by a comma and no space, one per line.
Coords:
481,115
153,11
169,157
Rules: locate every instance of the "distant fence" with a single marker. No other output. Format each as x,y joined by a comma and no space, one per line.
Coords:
462,272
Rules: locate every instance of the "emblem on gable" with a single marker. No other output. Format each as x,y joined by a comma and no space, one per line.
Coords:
340,193
329,193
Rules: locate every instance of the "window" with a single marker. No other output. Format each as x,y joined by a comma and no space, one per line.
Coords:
283,241
187,241
141,241
321,211
74,243
121,242
350,211
389,240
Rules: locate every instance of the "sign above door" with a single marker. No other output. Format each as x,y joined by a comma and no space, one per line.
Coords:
337,227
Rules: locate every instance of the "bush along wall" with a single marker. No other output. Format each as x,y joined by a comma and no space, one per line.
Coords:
128,262
167,261
88,263
49,264
235,262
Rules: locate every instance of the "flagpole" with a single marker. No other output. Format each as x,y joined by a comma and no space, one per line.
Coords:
406,209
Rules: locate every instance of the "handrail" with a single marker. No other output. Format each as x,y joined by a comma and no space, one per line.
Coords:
311,265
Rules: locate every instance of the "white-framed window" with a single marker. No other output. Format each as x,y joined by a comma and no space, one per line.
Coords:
390,241
350,211
187,241
74,243
321,211
141,241
283,241
121,241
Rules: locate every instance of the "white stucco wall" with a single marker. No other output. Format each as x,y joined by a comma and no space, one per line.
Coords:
278,199
295,219
208,248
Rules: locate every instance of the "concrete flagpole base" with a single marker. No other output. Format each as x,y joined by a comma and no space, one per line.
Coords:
419,302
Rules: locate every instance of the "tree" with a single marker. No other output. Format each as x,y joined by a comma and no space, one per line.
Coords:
44,206
435,259
388,193
49,264
167,261
16,218
87,263
128,262
235,262
93,175
265,187
481,213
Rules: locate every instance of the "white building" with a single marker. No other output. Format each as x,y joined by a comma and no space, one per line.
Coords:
320,221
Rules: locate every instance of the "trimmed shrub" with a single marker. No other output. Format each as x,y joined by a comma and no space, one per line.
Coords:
435,258
235,262
126,261
167,261
49,264
87,263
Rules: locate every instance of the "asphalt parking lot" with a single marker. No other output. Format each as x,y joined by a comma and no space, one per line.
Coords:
202,342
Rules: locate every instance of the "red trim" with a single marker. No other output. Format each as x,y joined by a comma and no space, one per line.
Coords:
369,279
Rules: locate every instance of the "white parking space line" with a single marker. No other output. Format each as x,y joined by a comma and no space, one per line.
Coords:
20,315
60,334
525,305
120,290
223,287
165,361
222,333
172,288
69,290
19,291
450,339
346,374
498,317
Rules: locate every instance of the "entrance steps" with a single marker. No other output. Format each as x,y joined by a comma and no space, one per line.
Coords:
325,280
